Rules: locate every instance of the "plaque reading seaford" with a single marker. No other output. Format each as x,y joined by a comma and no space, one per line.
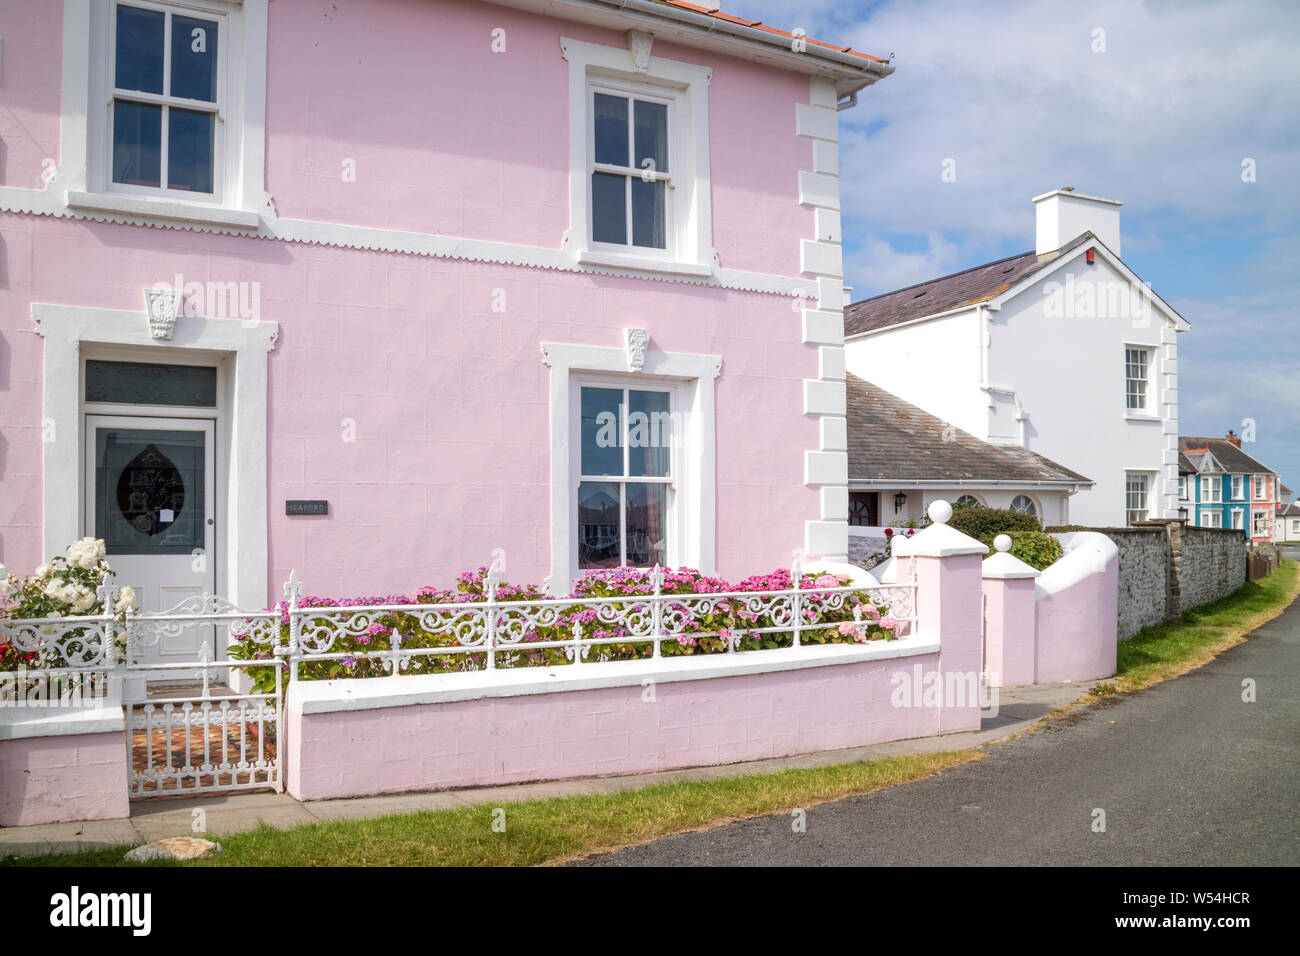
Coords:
306,507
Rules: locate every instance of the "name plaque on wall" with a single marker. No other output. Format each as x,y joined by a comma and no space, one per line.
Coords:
306,507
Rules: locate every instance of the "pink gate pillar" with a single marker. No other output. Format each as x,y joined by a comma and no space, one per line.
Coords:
1010,635
949,605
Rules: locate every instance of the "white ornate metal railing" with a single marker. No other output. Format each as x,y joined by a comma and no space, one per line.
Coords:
491,633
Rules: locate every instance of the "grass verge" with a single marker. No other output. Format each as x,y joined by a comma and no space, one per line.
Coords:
546,831
1168,650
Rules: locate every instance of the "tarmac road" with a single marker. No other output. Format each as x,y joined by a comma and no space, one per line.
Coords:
1186,772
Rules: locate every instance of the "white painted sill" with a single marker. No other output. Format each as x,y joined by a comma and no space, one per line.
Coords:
590,257
1130,417
167,209
21,723
323,697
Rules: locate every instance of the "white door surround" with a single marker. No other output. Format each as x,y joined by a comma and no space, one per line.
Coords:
239,350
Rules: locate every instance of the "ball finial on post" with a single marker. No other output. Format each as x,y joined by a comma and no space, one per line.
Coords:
939,511
1002,543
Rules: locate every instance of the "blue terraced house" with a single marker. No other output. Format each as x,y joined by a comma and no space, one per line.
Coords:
1221,486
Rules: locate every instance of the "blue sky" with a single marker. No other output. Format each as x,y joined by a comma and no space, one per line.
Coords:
1161,119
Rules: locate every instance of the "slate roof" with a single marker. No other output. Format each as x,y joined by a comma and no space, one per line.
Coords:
1232,458
950,292
890,439
1185,466
1291,510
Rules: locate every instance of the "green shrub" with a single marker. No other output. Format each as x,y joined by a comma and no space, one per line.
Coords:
987,523
1035,548
1066,528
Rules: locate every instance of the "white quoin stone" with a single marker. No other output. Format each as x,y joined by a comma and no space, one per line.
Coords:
1061,216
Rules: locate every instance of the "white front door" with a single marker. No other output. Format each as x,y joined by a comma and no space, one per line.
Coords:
150,495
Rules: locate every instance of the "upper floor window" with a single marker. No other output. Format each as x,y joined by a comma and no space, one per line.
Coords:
163,117
1238,486
1137,375
1259,486
631,172
1211,489
638,161
166,99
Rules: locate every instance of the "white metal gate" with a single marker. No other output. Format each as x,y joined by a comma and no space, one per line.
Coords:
190,728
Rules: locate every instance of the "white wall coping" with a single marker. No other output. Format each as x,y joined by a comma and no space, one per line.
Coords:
1086,553
322,697
20,723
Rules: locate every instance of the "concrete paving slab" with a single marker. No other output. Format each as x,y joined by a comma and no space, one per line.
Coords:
364,807
67,837
221,822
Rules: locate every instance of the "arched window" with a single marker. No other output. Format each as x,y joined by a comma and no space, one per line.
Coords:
1023,504
966,501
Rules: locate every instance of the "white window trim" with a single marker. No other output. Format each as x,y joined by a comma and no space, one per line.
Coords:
241,348
83,173
1211,490
1238,482
1150,477
1238,515
695,480
1148,411
691,250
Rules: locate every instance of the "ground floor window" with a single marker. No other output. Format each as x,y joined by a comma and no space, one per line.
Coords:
864,509
1023,504
1261,522
1136,495
625,484
1211,519
968,501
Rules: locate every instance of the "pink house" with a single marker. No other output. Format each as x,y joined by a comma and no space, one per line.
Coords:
370,290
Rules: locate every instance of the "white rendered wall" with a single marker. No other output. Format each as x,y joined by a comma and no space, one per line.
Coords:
934,365
1068,374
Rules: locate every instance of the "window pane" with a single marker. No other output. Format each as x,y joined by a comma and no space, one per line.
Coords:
189,150
194,59
598,545
609,208
649,434
647,507
143,383
602,431
611,129
651,131
137,144
648,213
138,64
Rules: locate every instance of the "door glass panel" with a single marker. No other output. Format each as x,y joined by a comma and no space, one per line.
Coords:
143,383
149,490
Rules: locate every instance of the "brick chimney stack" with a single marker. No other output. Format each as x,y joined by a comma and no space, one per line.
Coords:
1232,437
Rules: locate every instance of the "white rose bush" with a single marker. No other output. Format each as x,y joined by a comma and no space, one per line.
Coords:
66,587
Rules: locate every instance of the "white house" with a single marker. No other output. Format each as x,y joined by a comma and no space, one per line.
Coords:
1062,351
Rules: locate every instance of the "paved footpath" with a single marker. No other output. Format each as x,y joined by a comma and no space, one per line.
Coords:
1186,772
232,813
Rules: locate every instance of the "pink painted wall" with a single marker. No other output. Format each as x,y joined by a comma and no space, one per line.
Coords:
449,398
1077,629
53,779
599,732
949,601
449,137
29,119
1010,642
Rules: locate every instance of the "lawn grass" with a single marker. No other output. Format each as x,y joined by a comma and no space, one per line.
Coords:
545,831
1167,650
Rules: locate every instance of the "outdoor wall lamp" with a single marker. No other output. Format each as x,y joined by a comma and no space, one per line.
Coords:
900,499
